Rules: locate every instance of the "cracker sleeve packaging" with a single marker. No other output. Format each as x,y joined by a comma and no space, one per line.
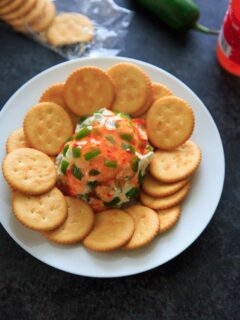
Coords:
72,28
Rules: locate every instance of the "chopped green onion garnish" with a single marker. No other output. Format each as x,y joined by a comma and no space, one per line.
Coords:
132,193
82,119
140,177
110,164
92,184
65,149
85,197
113,202
111,139
64,166
127,146
135,163
150,148
69,139
92,154
76,152
124,115
126,136
77,173
83,133
94,172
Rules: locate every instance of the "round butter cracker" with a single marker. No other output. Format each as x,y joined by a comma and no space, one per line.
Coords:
41,213
16,140
113,229
176,165
21,23
169,123
55,94
29,171
4,3
160,91
155,188
20,11
47,126
166,202
133,88
70,28
45,19
146,226
168,218
79,222
10,7
88,89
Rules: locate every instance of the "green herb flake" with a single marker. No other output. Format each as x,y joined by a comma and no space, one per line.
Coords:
92,154
126,136
110,164
92,184
77,173
127,146
93,172
111,139
76,152
64,166
132,193
135,164
83,133
65,149
113,202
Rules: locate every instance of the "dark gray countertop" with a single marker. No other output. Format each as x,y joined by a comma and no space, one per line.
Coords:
201,283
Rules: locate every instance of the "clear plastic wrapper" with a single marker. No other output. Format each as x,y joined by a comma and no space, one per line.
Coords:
108,25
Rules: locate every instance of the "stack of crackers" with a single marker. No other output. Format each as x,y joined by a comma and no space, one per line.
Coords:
40,17
29,167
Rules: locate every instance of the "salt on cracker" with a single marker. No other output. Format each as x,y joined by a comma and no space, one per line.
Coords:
47,126
160,91
88,89
79,222
46,18
16,140
146,223
165,202
133,88
169,123
155,188
112,230
25,7
29,171
176,165
43,212
55,94
168,218
70,28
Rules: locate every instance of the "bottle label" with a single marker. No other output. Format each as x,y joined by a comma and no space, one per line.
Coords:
229,38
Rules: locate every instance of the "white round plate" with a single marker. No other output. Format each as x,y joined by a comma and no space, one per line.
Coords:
197,210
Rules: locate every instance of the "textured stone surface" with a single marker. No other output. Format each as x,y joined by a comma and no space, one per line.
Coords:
201,283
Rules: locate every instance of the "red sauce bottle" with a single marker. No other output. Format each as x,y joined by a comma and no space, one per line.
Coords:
228,45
